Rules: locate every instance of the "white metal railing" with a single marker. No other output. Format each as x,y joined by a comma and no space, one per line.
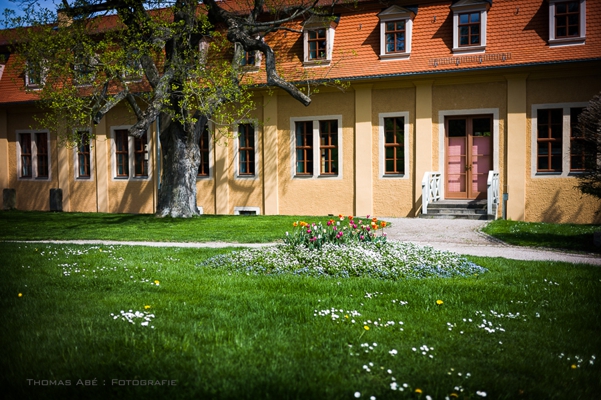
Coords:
493,192
431,186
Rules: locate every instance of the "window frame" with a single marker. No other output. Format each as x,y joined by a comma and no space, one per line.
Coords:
566,41
33,155
382,144
208,153
316,133
566,140
313,24
78,153
131,153
469,7
394,14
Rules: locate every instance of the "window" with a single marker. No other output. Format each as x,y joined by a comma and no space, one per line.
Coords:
304,148
567,22
578,148
318,39
203,146
35,75
549,140
246,150
469,25
83,156
26,162
131,155
33,155
328,147
394,153
140,157
317,139
251,60
394,143
396,25
122,153
557,147
84,70
132,71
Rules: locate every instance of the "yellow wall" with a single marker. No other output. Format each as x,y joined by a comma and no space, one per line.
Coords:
553,198
392,196
317,196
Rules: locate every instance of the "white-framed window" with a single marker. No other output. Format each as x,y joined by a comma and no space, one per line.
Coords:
396,27
83,156
567,22
251,60
132,71
556,145
33,155
247,210
469,25
84,70
205,146
131,155
318,40
316,146
394,144
35,75
247,151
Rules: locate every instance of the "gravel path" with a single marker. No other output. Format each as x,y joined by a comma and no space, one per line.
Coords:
458,235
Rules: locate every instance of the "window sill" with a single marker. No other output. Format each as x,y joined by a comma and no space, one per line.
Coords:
394,56
567,41
317,63
389,176
469,50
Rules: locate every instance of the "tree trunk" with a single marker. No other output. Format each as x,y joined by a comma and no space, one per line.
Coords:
180,157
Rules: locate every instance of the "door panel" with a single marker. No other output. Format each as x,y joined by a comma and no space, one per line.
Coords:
456,161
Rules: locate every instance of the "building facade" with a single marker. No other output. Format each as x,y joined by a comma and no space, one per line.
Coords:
444,89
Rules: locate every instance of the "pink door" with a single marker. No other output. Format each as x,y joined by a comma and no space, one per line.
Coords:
468,156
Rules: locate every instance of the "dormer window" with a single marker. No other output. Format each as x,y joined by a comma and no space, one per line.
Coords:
35,76
84,71
251,60
396,25
469,25
318,39
567,22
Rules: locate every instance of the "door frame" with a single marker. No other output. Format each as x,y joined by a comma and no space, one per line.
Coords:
442,148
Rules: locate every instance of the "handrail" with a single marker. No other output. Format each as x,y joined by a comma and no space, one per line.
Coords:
492,192
431,186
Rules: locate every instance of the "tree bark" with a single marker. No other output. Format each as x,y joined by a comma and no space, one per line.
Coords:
180,158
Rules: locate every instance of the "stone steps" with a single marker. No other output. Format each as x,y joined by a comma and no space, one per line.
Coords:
458,209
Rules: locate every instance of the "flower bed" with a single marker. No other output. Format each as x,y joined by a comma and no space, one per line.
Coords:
391,260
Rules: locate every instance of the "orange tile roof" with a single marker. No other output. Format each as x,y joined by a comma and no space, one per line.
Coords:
516,28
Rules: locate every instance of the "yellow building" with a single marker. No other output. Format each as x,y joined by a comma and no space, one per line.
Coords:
430,114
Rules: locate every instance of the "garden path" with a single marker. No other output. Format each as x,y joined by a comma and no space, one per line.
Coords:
460,236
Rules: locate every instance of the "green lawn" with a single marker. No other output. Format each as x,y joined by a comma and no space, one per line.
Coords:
523,330
34,225
574,237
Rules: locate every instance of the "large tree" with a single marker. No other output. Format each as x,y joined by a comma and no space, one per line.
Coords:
589,145
173,62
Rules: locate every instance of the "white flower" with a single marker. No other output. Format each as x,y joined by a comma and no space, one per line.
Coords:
394,386
479,393
357,394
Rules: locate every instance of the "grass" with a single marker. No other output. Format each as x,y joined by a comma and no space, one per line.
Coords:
573,237
224,335
35,225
